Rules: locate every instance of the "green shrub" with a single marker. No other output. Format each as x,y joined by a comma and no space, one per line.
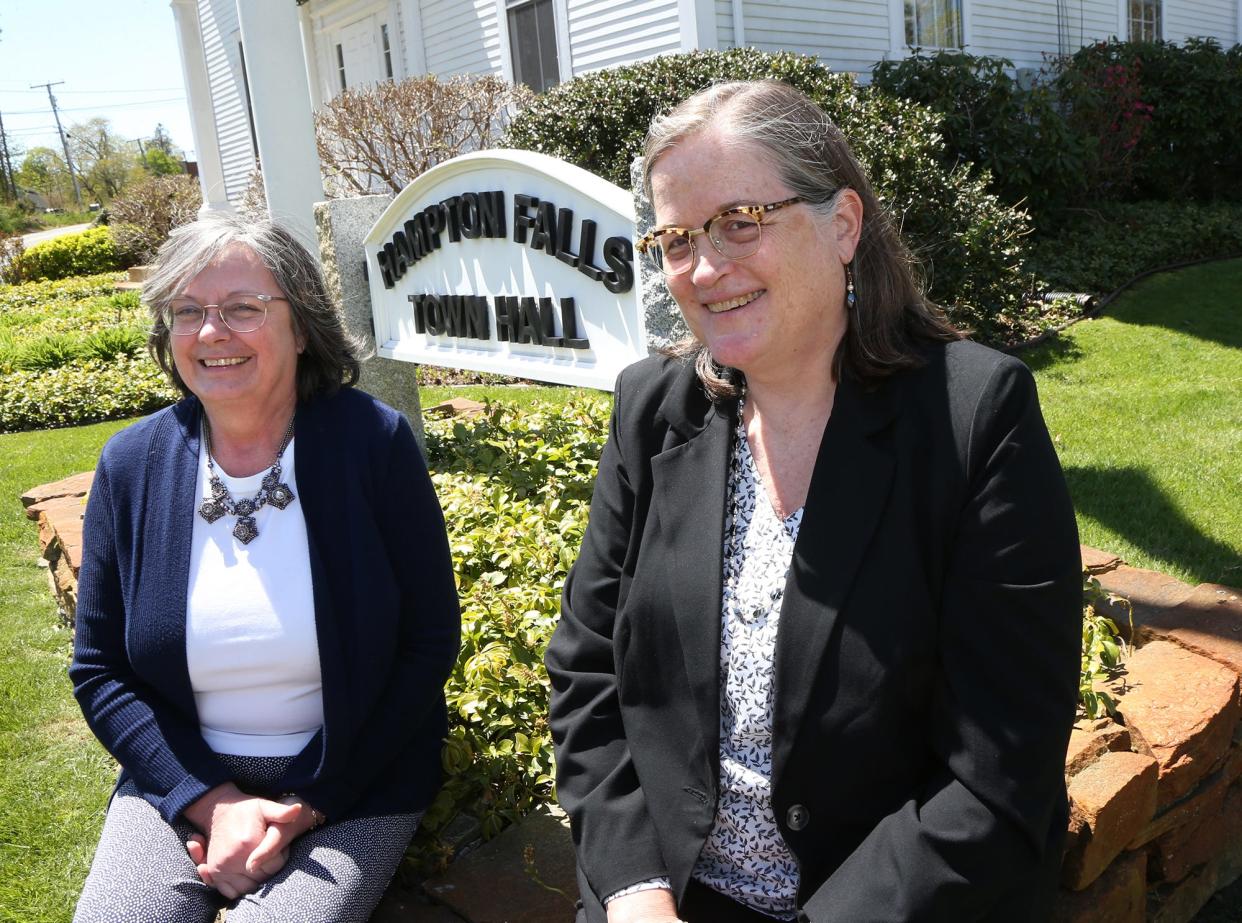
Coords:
15,219
515,487
81,392
43,353
85,253
1103,648
972,247
1106,247
989,120
1163,119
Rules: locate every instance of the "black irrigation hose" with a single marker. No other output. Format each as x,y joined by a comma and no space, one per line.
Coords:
1098,308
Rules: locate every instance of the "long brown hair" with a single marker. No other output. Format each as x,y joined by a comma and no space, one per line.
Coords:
808,152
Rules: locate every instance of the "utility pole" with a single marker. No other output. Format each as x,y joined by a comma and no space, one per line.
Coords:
64,143
8,164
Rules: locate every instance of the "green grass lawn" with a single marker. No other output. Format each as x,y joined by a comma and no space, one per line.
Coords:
54,777
1145,405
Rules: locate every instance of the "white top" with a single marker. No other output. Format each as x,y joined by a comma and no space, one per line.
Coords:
250,640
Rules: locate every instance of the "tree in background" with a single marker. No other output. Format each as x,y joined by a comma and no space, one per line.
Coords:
157,162
43,171
103,159
161,140
378,138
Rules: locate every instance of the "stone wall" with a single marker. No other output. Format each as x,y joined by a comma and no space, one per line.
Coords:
1156,801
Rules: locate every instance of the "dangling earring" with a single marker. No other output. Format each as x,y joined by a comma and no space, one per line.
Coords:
850,299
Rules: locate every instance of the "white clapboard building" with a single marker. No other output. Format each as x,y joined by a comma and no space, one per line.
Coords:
255,69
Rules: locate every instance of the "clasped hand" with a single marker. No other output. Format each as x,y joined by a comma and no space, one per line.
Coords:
243,840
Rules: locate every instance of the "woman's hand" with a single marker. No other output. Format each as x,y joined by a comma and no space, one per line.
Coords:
653,906
234,826
272,853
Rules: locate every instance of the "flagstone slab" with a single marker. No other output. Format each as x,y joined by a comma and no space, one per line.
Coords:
1185,708
76,485
1116,797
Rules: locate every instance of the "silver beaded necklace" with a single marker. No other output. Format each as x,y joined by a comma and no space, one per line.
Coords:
272,492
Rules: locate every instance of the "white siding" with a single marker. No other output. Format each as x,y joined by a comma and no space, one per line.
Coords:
1186,18
605,33
847,35
461,37
1024,36
724,24
221,49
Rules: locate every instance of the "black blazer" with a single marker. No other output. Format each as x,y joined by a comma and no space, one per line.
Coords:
926,661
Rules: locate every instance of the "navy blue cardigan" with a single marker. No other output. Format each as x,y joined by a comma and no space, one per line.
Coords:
386,610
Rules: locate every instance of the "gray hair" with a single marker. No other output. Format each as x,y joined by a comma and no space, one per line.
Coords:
332,356
795,137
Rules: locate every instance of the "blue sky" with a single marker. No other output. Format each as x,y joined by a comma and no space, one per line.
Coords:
118,59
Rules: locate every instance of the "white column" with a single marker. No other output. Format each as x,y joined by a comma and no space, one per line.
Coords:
202,115
739,23
698,24
280,101
311,53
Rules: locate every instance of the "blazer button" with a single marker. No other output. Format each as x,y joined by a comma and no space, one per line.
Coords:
797,817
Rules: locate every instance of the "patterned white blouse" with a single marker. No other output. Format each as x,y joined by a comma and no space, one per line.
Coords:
745,856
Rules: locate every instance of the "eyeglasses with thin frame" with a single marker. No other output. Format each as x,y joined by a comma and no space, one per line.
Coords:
735,233
244,313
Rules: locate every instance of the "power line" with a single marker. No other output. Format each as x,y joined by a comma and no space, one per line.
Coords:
76,92
136,104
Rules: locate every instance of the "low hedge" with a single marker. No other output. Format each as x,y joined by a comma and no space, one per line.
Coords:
82,392
74,351
84,253
1106,247
971,246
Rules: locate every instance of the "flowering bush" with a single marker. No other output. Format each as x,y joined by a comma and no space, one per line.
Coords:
1164,118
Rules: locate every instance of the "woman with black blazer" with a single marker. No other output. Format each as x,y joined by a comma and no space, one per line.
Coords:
818,656
267,611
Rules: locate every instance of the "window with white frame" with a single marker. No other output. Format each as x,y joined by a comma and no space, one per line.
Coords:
934,23
340,64
1144,20
387,46
532,43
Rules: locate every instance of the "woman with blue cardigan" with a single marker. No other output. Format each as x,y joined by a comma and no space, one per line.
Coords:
267,612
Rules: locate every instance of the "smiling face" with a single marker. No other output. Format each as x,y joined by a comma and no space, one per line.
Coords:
226,370
779,312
